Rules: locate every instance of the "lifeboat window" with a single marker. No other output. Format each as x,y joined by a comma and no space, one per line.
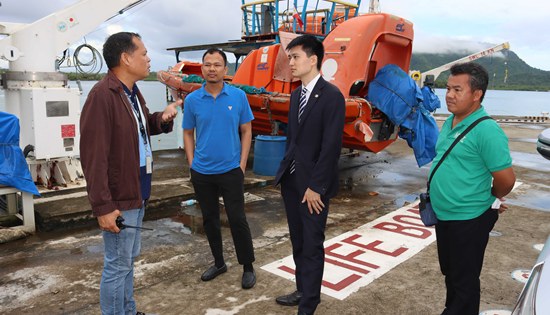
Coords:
356,87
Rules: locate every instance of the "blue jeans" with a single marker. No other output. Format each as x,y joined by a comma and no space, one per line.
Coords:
116,291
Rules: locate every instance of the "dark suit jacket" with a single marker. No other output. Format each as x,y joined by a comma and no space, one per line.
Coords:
316,141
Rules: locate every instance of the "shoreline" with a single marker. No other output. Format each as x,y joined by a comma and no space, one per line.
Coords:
543,119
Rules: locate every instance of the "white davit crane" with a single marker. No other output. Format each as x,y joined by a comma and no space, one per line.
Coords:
48,109
429,77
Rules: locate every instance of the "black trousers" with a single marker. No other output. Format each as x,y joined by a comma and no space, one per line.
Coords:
461,247
229,185
307,235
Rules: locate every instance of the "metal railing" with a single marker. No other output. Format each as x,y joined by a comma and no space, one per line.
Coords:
263,18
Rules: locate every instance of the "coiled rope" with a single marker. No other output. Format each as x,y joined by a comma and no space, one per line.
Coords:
94,65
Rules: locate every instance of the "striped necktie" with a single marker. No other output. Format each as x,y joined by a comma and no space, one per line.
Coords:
303,102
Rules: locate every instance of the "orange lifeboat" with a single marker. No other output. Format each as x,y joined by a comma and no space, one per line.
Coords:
354,51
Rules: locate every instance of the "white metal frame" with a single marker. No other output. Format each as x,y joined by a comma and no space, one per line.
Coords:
28,207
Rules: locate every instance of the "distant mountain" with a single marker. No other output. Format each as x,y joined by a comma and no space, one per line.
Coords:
506,70
505,73
520,76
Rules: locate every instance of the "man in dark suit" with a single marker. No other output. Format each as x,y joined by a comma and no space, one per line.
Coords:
308,173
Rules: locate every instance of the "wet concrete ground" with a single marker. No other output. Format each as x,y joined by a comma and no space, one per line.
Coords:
58,272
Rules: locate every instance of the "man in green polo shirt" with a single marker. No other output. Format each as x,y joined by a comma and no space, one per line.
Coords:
477,171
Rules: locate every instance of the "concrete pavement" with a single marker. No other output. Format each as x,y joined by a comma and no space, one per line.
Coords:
58,272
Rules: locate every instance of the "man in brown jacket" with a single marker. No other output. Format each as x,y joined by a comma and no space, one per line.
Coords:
115,150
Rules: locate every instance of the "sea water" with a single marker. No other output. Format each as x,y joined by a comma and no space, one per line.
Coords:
496,102
154,93
508,103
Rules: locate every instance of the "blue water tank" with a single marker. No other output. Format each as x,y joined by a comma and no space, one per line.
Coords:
268,153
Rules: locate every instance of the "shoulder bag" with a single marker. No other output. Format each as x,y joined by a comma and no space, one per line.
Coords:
427,214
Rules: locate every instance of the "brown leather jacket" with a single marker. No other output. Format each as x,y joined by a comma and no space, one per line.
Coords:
109,149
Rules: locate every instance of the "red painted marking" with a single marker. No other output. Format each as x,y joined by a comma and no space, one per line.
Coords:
342,284
68,131
405,230
330,261
352,266
346,266
287,269
349,257
401,218
373,246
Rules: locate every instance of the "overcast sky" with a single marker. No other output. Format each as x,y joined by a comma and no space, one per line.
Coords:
450,25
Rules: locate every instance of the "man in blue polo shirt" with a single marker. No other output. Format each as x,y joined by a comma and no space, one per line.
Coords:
218,112
476,172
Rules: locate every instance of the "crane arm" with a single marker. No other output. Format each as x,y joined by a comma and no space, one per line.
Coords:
7,28
33,47
437,71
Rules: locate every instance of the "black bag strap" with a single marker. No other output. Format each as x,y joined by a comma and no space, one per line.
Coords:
470,127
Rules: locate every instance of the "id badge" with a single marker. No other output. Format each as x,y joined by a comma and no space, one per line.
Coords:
148,165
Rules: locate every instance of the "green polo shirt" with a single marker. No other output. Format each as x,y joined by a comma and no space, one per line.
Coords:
461,187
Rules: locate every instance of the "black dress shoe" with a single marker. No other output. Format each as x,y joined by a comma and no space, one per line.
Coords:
249,279
291,299
213,272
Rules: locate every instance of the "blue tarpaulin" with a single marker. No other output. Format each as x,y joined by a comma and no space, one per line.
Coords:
399,97
14,171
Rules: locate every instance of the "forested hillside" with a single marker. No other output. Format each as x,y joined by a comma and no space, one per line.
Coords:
506,73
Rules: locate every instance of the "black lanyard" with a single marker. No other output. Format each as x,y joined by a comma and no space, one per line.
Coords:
133,99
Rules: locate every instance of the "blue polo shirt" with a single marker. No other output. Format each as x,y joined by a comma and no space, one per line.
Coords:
216,121
461,187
